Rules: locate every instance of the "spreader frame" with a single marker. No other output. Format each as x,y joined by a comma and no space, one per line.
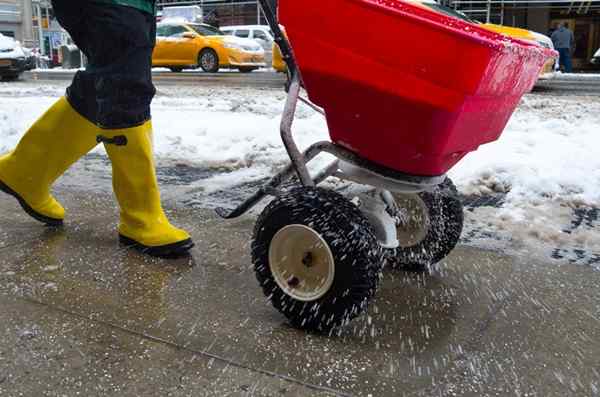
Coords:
363,170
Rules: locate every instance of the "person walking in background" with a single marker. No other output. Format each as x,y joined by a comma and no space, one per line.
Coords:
564,42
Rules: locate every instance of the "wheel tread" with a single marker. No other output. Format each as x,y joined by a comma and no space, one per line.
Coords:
332,212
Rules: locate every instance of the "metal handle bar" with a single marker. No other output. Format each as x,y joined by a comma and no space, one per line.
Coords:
280,39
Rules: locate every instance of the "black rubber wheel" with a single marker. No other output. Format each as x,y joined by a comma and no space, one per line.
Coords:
176,70
248,69
208,60
345,234
429,228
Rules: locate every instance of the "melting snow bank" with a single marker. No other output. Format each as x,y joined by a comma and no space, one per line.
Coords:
545,168
549,152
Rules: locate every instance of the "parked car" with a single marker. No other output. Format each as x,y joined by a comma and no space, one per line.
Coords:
596,59
14,59
261,33
181,45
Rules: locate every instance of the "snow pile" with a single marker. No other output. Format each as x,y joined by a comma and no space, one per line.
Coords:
549,151
226,130
546,165
230,129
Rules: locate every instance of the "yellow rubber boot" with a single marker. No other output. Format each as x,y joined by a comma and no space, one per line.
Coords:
57,140
144,224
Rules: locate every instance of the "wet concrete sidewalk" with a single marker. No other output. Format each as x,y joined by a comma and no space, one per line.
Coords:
80,315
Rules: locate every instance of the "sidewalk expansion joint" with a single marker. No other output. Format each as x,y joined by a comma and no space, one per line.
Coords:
174,345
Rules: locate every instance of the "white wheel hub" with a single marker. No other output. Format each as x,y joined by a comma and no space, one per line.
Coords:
301,263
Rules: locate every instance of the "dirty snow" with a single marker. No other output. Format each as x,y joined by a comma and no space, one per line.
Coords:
545,164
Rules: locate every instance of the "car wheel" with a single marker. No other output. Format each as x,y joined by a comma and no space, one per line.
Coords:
10,77
208,60
247,69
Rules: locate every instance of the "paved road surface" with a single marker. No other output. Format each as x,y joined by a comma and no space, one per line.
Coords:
569,86
554,86
224,79
80,315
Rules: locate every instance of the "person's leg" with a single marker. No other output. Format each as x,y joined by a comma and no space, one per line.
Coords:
565,59
122,41
58,139
81,94
568,62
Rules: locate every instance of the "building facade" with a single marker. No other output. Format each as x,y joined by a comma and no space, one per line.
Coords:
230,12
11,19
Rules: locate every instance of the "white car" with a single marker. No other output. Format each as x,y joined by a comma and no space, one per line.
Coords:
260,33
14,59
596,58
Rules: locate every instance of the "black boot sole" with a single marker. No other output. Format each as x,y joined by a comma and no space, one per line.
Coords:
30,211
174,250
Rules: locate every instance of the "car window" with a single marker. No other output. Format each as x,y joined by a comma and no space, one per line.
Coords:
259,34
162,31
242,33
177,31
170,30
205,30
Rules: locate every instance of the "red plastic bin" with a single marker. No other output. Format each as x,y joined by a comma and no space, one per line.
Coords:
407,87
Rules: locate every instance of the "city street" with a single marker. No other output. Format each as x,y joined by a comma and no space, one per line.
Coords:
569,85
554,85
260,79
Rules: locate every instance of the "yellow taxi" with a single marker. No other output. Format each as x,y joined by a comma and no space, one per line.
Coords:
527,35
524,34
181,45
278,62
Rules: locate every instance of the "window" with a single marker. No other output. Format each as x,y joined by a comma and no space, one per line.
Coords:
170,30
177,31
162,31
242,33
9,8
205,30
258,34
